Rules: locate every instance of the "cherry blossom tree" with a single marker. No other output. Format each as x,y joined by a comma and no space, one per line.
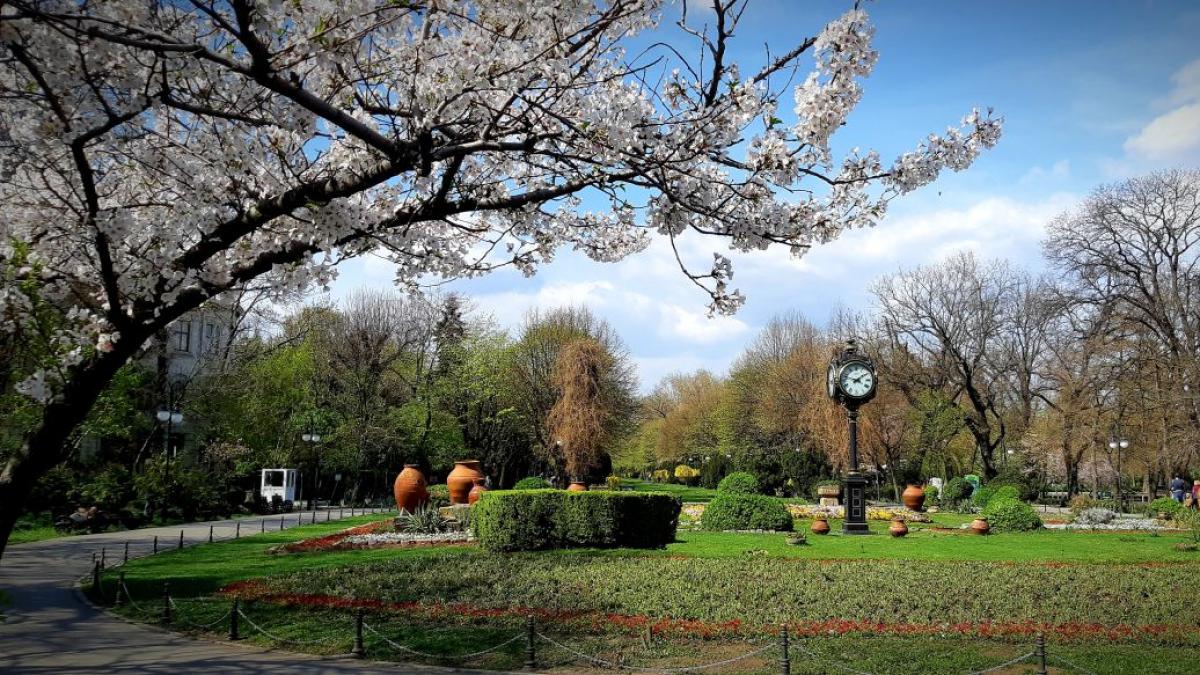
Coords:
158,154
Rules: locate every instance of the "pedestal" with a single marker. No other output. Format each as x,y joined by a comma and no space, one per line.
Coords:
856,504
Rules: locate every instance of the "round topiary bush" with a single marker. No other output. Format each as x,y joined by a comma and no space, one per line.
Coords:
1164,505
532,483
1011,515
739,482
733,511
956,490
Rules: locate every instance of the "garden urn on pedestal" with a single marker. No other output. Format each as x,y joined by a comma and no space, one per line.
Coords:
828,494
476,491
898,527
462,479
409,489
980,526
577,486
913,497
820,526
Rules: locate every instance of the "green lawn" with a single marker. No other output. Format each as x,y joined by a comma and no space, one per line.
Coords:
688,494
603,600
34,534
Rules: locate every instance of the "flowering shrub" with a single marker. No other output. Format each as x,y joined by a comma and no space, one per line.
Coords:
873,513
1011,515
686,474
739,482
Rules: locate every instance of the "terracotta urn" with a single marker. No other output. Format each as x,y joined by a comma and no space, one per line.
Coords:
913,497
820,526
476,491
577,486
409,489
898,527
980,526
462,479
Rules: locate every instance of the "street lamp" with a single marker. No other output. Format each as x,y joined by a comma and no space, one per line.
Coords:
1116,445
169,418
313,438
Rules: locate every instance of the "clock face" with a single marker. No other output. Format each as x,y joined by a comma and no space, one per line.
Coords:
832,381
856,380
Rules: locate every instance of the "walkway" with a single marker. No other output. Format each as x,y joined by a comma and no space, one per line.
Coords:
51,629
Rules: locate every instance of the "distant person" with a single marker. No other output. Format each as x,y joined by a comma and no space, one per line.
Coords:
1196,494
1178,487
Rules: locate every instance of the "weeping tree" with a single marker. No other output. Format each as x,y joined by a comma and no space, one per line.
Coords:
155,155
579,420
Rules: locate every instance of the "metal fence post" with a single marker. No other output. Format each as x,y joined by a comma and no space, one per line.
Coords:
237,534
126,557
156,544
263,525
166,608
785,660
181,539
233,620
103,557
96,577
357,650
120,588
327,512
281,523
1040,650
530,653
210,532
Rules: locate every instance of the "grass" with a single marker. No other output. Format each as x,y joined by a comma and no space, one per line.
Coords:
687,493
712,577
32,534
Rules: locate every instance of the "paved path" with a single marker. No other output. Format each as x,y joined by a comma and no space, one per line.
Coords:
51,629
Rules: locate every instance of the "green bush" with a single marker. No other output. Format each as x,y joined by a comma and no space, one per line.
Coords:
931,494
733,511
739,482
533,483
528,520
1163,505
1007,514
439,495
956,490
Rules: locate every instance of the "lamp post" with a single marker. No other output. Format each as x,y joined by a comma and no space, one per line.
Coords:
1117,445
168,418
313,438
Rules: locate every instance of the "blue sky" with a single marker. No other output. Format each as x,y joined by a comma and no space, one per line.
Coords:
1091,92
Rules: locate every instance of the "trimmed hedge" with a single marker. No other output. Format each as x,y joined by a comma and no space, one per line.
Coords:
532,483
1006,514
529,520
732,511
739,482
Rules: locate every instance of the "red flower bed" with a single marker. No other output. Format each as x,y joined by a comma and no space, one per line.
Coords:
597,621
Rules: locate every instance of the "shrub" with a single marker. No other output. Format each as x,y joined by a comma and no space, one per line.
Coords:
530,520
1011,515
613,482
426,520
1163,505
956,490
739,482
931,494
439,495
1096,516
533,483
686,474
734,511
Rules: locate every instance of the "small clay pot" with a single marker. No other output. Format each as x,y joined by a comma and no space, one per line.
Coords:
409,489
898,527
577,486
820,526
980,526
476,491
461,479
913,497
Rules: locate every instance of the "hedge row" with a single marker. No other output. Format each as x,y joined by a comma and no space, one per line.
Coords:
529,520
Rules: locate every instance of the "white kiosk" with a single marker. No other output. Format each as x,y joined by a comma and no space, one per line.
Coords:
282,482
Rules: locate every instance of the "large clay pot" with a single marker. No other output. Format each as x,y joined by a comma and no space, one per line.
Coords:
476,491
577,486
462,479
980,526
898,527
820,526
913,497
409,489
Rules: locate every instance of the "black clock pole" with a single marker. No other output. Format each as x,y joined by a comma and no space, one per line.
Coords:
855,486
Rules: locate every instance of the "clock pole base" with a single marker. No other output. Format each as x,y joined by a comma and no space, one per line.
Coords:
856,504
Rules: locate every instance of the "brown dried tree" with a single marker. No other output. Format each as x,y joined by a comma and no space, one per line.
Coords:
579,419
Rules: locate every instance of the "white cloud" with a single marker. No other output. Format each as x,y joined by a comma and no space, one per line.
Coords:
1060,171
697,327
1175,134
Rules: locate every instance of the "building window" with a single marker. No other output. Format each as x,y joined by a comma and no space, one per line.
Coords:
210,335
182,336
